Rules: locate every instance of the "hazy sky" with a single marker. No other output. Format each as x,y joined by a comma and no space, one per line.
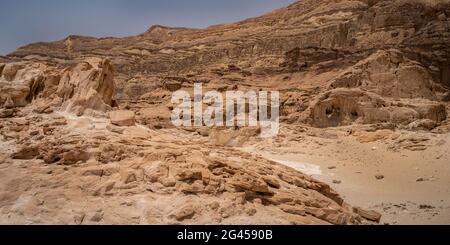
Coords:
26,21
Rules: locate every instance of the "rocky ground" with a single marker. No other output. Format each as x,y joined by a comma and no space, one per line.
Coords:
86,135
65,162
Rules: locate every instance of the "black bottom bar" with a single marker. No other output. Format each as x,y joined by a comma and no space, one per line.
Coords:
225,234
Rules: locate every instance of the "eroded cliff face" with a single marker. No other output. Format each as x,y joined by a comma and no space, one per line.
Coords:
369,64
399,47
321,30
384,88
84,89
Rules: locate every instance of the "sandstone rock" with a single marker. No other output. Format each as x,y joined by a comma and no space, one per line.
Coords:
369,214
424,124
26,153
272,182
231,137
293,210
172,85
4,113
155,171
9,103
188,174
115,129
367,137
245,182
327,191
10,70
104,189
185,212
331,215
75,156
17,94
95,171
128,177
122,118
411,142
390,74
196,187
88,85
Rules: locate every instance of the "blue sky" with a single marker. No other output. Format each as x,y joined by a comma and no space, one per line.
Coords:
28,21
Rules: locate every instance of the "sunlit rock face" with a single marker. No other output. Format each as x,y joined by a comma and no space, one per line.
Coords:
86,88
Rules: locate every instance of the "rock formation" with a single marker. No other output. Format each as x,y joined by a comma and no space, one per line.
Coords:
384,88
122,118
85,88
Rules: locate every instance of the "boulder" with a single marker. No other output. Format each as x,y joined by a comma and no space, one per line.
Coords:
122,118
26,153
369,214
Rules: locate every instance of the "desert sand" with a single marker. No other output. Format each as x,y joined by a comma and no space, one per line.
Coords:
414,188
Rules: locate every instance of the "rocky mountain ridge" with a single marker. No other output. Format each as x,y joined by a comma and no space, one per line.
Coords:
286,47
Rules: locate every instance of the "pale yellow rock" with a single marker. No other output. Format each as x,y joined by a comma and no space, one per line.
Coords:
122,118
